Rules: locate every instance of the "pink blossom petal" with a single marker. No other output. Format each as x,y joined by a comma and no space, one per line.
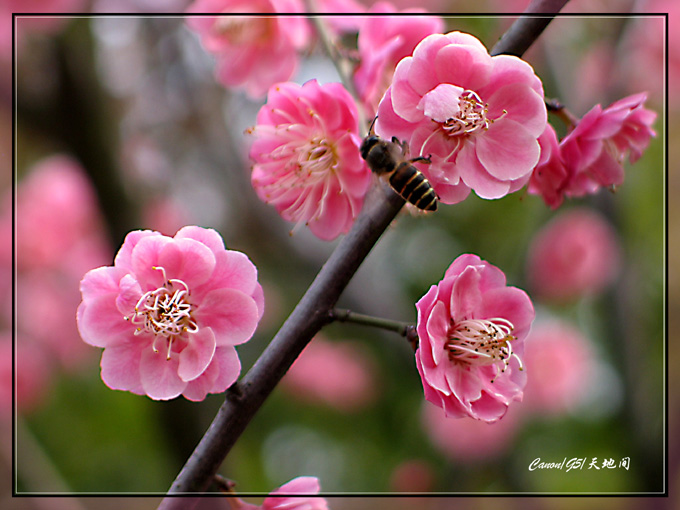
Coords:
461,263
123,258
477,177
120,367
100,281
330,225
229,366
510,303
488,409
128,297
509,69
197,355
520,103
101,324
231,314
299,485
437,330
607,171
188,260
207,236
452,193
464,384
404,98
159,375
220,375
441,103
233,270
466,297
388,123
468,66
145,257
497,150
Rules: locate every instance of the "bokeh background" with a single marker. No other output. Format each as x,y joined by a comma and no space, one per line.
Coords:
120,125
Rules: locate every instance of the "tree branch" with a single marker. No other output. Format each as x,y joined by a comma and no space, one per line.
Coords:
312,312
523,32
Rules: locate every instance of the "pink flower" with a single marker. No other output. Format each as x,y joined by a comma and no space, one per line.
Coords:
478,117
550,176
471,330
253,52
577,253
562,367
53,253
169,313
306,156
413,475
470,440
294,495
594,151
32,373
383,42
337,374
74,237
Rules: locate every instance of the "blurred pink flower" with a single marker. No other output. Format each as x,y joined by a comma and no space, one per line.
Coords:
383,42
32,371
294,495
650,64
52,297
306,156
59,236
470,440
73,236
577,253
562,366
334,373
252,52
413,476
164,214
471,330
595,150
478,117
169,313
549,177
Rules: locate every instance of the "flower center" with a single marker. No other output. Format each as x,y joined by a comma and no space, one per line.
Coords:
471,115
315,157
482,342
165,312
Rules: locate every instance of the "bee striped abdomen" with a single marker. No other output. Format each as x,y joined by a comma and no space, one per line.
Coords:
412,185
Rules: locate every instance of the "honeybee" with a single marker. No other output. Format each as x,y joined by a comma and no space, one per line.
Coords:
385,158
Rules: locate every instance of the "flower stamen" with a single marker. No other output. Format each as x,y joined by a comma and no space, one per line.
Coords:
165,312
482,342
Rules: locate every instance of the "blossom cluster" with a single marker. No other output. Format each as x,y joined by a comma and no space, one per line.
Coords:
255,52
592,154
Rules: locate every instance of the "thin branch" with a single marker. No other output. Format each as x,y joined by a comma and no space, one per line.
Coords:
308,317
342,66
405,329
523,32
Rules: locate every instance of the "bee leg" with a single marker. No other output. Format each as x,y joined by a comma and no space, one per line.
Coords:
422,159
401,143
